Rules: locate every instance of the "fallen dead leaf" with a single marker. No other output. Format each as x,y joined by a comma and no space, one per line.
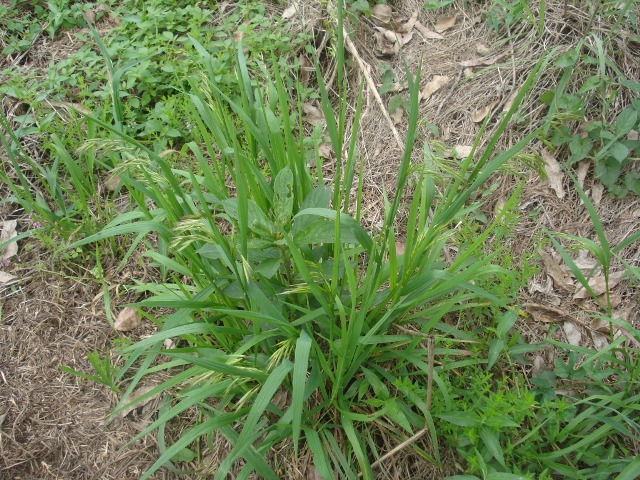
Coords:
384,47
461,151
137,394
426,33
554,173
581,174
325,150
596,193
510,100
381,14
546,313
128,319
400,246
8,233
560,278
598,285
312,114
436,83
112,183
482,49
572,332
306,68
633,135
406,38
7,278
397,116
479,115
408,26
538,364
599,341
291,10
482,61
389,35
585,263
444,22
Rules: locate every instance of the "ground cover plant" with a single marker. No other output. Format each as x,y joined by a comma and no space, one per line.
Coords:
280,321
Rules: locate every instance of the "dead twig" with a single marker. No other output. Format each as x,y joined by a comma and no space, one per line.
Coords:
372,86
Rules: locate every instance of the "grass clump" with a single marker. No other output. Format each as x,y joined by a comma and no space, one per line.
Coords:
291,326
278,291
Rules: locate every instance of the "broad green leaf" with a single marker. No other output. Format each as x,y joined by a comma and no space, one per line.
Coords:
507,320
462,419
608,170
184,455
626,120
504,476
496,345
491,441
283,197
619,151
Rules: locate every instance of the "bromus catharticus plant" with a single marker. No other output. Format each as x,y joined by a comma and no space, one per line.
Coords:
278,292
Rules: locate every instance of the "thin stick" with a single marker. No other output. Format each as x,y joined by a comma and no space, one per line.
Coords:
396,449
372,86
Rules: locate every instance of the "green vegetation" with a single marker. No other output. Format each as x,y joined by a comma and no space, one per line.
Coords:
288,321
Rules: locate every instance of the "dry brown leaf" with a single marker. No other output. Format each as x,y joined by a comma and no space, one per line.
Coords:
137,394
444,22
397,116
112,183
7,278
8,232
510,100
584,262
482,61
545,313
554,173
406,38
482,49
581,174
291,10
560,277
596,193
426,33
389,35
128,319
408,26
598,285
481,114
538,364
312,114
384,48
599,341
306,69
572,332
436,83
633,135
381,14
400,246
461,151
325,151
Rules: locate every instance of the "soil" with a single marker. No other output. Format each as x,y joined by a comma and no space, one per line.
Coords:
55,425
